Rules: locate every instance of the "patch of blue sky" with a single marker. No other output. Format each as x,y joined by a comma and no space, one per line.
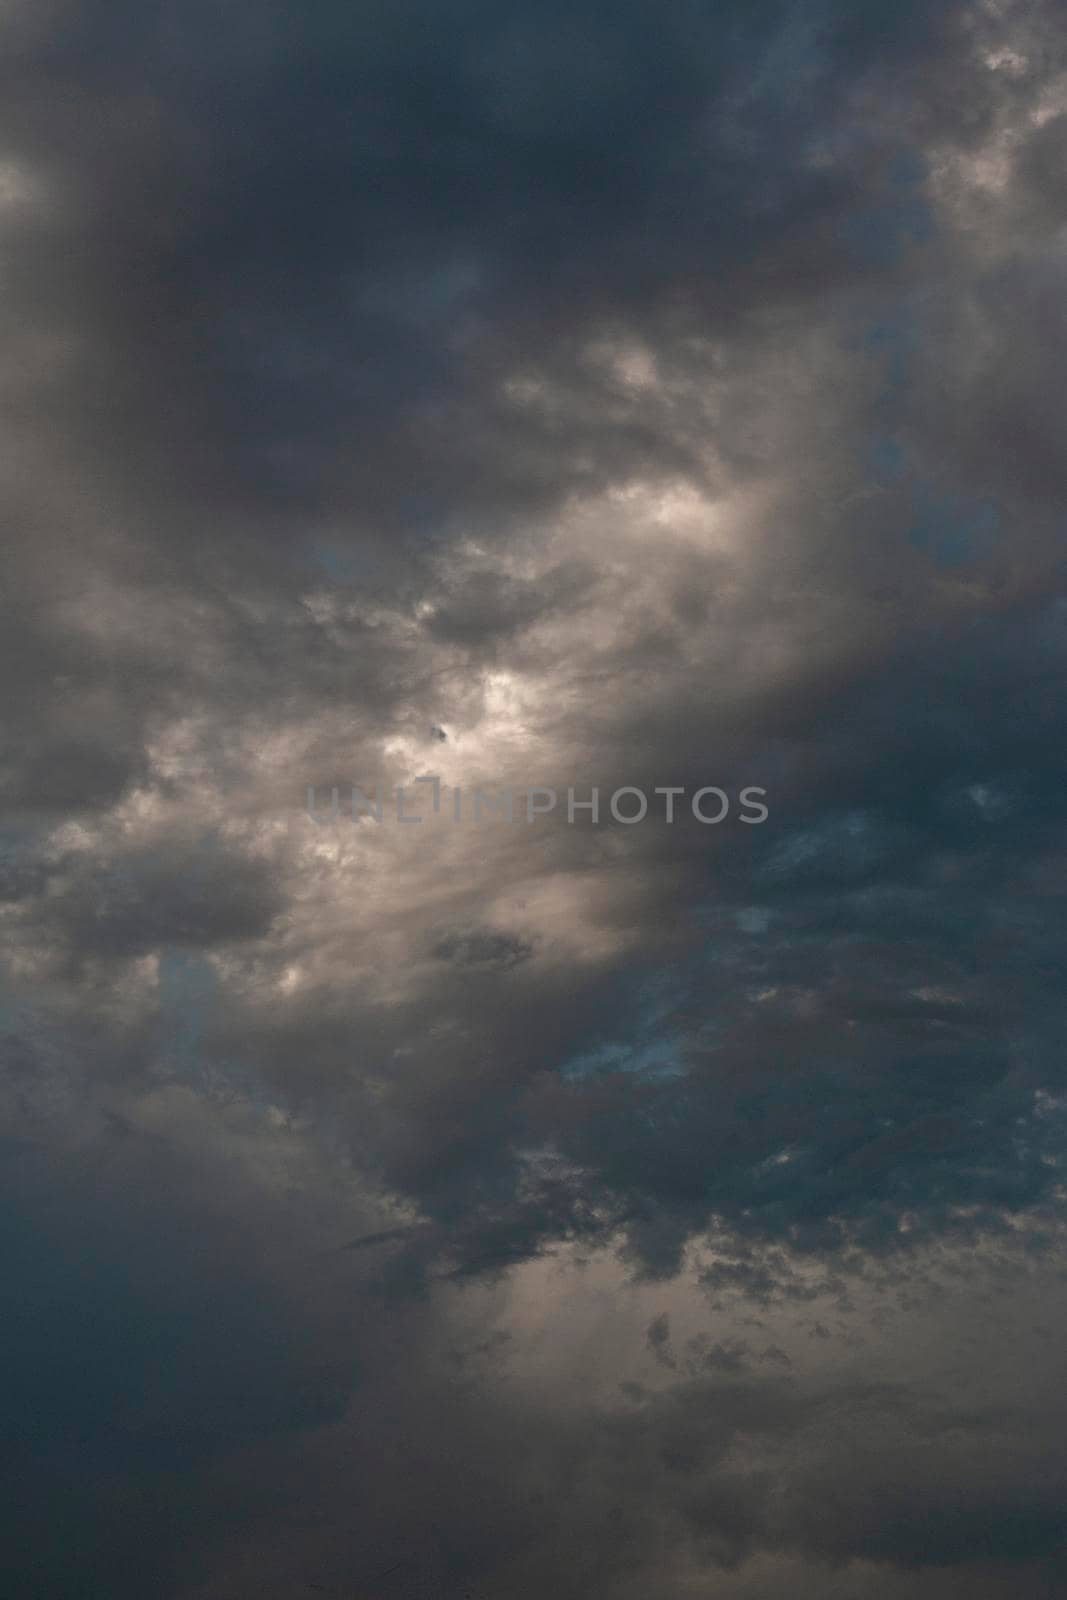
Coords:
792,64
887,457
879,234
343,563
188,996
719,917
187,992
895,338
842,847
656,1044
952,529
651,1061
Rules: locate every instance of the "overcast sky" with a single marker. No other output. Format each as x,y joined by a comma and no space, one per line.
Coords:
553,396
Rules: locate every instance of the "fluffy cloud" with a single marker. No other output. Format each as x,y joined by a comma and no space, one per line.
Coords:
528,397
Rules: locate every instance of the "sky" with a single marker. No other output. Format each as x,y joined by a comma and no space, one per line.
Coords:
534,398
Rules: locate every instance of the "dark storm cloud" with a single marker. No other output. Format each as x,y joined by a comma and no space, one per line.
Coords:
309,250
189,893
150,1336
474,948
624,396
488,607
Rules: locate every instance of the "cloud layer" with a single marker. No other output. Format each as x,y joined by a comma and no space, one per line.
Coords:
631,396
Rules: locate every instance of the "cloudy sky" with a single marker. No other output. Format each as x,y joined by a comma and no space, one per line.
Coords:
554,396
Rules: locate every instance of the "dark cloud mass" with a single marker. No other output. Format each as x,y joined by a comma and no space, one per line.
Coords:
533,397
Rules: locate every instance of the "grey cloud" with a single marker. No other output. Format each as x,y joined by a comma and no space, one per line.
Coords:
624,396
